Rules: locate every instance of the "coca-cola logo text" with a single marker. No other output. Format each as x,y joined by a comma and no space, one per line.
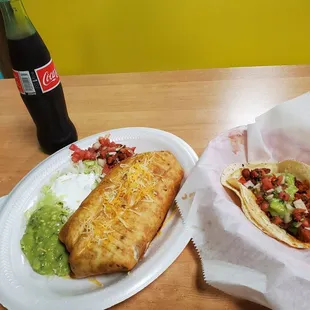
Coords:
47,77
50,77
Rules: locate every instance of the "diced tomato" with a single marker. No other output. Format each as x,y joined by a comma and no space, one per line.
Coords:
106,169
111,159
298,214
103,154
254,174
75,157
302,186
308,193
77,151
273,179
73,147
277,220
259,199
104,141
304,234
264,206
262,173
305,223
279,179
121,156
87,155
267,183
75,154
102,149
129,152
82,154
246,173
284,196
242,180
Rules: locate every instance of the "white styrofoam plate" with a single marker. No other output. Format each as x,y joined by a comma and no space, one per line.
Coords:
2,201
22,288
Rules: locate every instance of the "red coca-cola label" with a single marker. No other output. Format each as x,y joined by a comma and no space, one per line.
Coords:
47,77
18,81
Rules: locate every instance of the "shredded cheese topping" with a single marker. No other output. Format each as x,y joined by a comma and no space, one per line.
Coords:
135,183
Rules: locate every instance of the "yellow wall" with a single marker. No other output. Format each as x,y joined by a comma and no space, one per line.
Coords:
100,36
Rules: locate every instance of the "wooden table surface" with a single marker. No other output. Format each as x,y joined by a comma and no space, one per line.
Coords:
195,105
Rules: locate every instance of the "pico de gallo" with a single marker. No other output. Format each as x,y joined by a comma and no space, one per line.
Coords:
104,152
284,199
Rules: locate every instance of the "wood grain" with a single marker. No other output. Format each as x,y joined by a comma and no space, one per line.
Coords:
195,105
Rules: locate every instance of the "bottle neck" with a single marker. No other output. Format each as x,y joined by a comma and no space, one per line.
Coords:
16,21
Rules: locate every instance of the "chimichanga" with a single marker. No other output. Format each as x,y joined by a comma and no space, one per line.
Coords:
114,225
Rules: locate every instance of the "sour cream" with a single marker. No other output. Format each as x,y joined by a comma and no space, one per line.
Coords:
73,188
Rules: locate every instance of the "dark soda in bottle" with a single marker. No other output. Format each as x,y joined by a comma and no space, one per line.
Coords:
37,79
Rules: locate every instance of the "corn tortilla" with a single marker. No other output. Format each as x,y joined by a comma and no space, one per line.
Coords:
251,209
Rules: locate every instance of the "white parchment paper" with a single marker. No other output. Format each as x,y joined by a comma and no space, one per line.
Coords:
237,257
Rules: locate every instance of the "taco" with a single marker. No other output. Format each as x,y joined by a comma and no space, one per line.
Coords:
275,197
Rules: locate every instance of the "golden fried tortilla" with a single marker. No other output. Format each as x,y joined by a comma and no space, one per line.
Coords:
115,224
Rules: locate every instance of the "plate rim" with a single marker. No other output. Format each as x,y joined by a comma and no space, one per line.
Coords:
171,256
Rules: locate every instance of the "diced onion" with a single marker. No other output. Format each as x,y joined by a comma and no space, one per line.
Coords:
308,228
96,145
101,162
257,186
248,184
289,207
269,197
287,218
270,191
279,189
299,204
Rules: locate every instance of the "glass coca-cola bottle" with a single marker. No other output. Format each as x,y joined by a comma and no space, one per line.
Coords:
37,79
